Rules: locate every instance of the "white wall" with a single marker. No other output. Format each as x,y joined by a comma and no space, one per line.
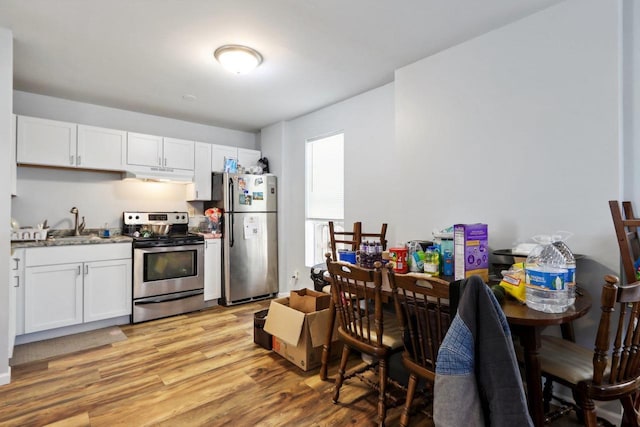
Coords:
368,126
520,130
273,148
631,95
47,193
6,87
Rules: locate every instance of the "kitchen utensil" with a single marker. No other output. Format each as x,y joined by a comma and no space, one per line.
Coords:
159,229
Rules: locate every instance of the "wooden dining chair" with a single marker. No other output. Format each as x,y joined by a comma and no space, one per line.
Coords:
422,306
612,370
381,236
363,325
626,228
340,239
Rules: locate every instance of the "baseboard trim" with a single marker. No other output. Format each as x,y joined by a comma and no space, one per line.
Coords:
5,377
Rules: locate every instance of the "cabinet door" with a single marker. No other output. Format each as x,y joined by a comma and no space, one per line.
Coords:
248,158
212,269
200,189
107,289
12,156
53,296
179,154
100,148
144,150
219,153
46,142
16,285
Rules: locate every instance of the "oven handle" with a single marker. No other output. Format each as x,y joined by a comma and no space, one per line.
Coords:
177,248
158,300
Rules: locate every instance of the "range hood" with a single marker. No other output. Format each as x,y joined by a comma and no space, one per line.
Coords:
178,176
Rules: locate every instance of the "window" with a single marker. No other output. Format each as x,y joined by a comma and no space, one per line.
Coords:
324,195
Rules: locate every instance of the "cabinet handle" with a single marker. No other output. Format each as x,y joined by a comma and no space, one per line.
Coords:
17,285
165,162
17,260
79,161
79,270
159,161
197,194
71,159
86,269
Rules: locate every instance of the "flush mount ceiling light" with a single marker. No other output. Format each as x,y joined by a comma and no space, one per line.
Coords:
238,59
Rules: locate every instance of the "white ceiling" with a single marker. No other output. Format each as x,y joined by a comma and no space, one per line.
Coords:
145,55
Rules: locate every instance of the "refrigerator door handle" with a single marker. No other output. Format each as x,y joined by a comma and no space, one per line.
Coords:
232,209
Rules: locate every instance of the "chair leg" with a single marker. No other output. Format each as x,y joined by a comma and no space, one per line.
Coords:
382,407
547,395
411,391
630,414
341,371
589,412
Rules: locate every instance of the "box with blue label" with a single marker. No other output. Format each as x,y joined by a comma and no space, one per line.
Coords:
471,251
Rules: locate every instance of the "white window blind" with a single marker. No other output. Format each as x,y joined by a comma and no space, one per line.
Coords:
325,177
324,194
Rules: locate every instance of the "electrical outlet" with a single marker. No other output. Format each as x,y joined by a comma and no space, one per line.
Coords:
296,275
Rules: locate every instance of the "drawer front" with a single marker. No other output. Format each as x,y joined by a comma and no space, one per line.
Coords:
78,253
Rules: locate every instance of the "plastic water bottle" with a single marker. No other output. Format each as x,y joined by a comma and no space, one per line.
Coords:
570,264
545,277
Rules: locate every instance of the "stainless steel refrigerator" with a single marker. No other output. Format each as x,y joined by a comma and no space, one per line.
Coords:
250,235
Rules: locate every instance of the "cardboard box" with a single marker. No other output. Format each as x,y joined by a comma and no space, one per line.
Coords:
298,336
471,251
308,301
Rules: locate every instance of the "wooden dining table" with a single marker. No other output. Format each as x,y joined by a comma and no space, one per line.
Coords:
525,323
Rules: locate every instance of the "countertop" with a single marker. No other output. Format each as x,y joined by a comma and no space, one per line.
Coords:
91,239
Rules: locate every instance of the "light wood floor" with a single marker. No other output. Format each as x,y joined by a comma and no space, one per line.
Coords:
197,369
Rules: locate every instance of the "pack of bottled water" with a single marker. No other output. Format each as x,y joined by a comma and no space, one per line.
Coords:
550,275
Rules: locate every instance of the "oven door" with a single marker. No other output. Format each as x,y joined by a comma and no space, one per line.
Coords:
167,269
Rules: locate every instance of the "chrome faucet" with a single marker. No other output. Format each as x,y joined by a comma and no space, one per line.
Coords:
77,228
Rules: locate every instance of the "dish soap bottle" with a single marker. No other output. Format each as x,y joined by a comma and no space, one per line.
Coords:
432,262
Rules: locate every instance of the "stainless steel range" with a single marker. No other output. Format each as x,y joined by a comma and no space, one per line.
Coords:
168,264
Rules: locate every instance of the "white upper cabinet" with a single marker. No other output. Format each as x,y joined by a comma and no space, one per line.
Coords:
248,158
219,153
156,151
144,150
100,148
54,143
46,142
12,156
179,154
200,189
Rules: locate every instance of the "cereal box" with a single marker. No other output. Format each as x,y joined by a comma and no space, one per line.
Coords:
471,251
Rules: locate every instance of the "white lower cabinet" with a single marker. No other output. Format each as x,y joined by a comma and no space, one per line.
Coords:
103,300
16,296
74,284
212,269
53,297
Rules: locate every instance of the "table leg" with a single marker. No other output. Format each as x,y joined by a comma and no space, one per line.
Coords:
326,347
530,340
567,331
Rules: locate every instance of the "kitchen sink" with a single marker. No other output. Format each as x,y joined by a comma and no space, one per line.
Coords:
77,238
